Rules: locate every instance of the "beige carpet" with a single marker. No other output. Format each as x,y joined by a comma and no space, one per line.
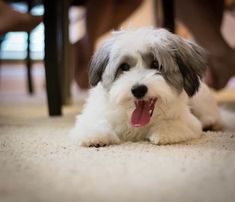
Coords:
39,163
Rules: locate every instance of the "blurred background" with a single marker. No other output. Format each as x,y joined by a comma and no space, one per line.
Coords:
14,74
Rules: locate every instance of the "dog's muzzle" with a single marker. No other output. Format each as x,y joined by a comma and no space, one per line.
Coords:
144,107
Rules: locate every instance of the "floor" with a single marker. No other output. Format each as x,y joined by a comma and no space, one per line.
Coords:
40,163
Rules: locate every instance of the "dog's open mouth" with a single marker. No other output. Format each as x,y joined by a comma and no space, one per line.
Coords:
143,112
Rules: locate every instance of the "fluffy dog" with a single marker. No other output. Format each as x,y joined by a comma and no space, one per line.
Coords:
146,86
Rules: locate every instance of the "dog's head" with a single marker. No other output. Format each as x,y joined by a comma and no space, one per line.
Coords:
146,66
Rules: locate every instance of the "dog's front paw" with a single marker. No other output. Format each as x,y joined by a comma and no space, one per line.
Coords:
212,123
99,140
154,138
93,137
174,132
161,139
99,134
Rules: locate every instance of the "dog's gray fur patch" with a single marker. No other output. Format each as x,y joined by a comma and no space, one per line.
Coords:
183,62
191,60
99,62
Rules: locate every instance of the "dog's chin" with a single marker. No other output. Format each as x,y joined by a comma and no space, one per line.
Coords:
143,111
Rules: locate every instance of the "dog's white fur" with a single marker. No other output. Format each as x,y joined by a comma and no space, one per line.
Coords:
105,118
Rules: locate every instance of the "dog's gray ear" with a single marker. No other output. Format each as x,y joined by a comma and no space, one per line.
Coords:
99,62
192,62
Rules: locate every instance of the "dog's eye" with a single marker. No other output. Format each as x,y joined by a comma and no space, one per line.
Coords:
155,65
124,67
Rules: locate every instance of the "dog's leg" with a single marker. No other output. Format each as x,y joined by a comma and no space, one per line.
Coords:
173,131
205,108
92,127
94,134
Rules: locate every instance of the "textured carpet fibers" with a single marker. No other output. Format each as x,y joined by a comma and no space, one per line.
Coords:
39,163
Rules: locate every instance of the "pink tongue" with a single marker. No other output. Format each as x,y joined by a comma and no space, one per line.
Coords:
141,116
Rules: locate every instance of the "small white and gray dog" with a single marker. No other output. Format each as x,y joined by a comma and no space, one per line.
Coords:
146,86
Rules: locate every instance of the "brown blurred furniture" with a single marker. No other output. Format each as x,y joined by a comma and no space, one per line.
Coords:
30,4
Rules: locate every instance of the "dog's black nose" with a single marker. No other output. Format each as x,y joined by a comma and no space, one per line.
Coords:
139,91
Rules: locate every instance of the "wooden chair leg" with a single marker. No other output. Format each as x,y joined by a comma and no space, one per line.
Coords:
164,14
28,59
53,55
65,49
1,40
169,15
0,53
